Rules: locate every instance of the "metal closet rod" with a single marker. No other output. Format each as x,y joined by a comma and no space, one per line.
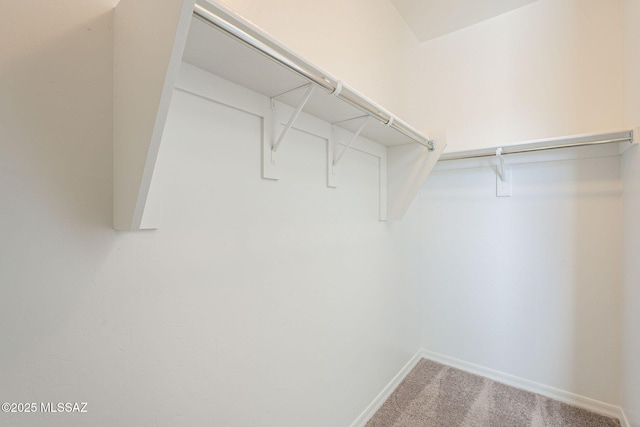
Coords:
242,30
548,147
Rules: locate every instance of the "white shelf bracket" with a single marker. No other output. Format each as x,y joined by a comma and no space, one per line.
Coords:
338,89
310,87
500,167
503,176
353,139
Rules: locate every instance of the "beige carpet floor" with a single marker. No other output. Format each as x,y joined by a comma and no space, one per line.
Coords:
438,395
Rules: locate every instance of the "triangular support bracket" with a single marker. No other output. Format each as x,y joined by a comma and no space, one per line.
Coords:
294,116
333,157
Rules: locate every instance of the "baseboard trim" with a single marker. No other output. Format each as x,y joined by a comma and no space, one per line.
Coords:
386,391
532,386
624,421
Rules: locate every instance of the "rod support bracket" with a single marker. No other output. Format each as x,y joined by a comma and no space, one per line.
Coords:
500,166
338,89
503,177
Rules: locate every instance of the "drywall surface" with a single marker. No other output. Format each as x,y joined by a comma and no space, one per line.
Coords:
56,142
630,226
547,69
365,43
293,297
429,19
258,302
530,284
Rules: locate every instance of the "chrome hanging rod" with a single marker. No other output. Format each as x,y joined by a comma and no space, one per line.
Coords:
234,25
506,151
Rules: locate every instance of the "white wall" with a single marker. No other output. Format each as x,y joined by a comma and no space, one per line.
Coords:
630,213
257,302
529,284
270,302
548,69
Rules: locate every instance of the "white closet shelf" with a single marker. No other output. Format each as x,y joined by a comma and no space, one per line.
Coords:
544,150
558,148
231,47
151,42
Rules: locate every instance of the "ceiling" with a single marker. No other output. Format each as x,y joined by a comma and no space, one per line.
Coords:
429,19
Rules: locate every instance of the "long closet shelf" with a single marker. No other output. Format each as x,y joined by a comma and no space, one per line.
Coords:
225,44
245,69
616,143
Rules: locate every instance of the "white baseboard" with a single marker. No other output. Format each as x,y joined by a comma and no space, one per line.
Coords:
624,421
386,391
532,386
502,377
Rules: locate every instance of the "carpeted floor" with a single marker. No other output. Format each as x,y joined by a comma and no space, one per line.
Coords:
438,395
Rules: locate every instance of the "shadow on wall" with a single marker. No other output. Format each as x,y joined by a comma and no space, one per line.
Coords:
597,282
568,250
571,245
56,114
